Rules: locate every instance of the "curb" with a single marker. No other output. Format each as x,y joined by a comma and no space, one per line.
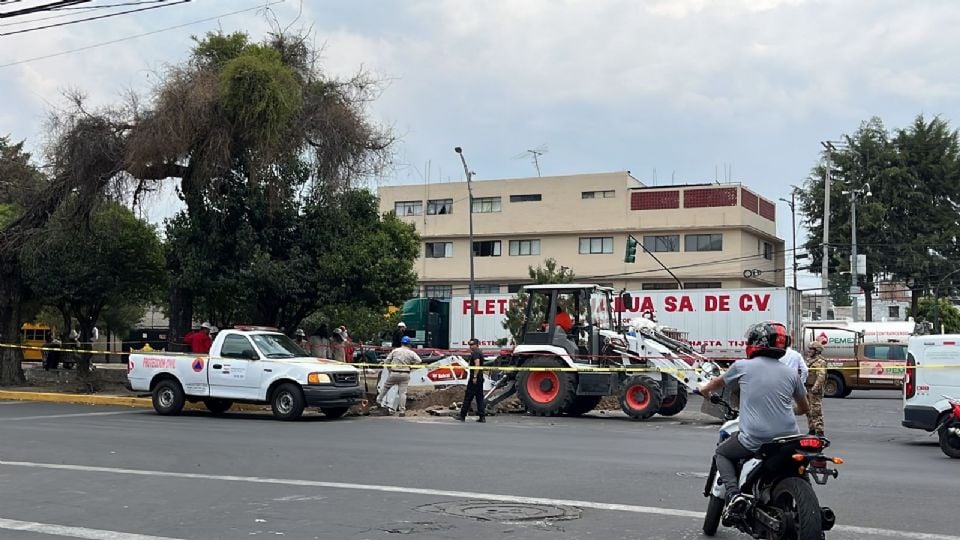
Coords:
120,401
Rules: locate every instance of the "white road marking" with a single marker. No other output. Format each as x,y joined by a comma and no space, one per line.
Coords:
44,417
444,493
12,402
74,532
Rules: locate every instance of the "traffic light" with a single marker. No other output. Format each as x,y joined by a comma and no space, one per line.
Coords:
631,254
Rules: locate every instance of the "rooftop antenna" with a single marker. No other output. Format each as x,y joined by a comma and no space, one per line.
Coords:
535,153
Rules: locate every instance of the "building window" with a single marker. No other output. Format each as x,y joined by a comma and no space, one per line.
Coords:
664,243
658,286
408,208
524,247
703,242
532,197
486,288
486,248
486,205
701,285
605,194
438,291
893,312
768,251
439,206
439,250
596,244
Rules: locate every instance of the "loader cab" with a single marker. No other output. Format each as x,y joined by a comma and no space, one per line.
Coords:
568,316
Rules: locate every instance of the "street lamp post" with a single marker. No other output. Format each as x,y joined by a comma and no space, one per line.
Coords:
792,203
469,174
854,275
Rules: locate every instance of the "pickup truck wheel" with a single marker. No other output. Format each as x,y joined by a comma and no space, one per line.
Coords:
217,406
287,402
168,398
334,412
834,386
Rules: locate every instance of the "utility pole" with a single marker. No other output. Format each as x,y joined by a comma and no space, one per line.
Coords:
825,266
854,274
473,305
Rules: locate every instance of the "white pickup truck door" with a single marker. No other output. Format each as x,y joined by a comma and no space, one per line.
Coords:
234,374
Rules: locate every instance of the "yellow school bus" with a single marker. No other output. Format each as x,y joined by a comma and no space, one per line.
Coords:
33,335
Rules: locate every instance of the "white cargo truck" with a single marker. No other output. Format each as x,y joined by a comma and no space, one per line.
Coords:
246,365
715,320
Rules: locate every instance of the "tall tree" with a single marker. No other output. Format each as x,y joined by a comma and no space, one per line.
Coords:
84,158
911,176
240,112
117,262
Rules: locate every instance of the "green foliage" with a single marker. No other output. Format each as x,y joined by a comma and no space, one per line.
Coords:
7,213
260,95
276,265
949,315
840,289
216,48
548,273
118,262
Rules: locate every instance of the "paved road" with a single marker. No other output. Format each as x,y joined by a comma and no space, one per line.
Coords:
127,474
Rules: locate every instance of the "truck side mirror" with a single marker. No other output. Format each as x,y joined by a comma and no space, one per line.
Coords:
626,300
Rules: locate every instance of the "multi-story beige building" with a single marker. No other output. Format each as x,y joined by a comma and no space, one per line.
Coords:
710,235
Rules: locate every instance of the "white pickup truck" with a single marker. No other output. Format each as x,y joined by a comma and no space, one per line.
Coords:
247,366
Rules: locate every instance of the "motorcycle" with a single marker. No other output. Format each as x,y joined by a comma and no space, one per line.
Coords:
782,504
949,430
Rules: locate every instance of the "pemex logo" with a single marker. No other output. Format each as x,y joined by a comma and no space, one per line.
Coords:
822,338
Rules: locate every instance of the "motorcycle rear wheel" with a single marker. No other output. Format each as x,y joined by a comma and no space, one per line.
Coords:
950,442
801,509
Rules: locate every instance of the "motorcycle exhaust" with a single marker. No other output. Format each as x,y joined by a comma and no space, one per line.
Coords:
827,518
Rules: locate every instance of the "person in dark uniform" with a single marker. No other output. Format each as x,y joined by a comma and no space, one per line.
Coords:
398,333
474,384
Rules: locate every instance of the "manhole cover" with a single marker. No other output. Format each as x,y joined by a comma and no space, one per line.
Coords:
503,511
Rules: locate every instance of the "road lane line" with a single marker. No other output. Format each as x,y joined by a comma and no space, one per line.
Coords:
71,415
446,493
12,402
74,532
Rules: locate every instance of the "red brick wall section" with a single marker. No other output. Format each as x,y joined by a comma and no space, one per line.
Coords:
768,210
709,197
749,200
654,200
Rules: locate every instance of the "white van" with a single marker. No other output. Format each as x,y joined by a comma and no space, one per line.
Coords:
932,371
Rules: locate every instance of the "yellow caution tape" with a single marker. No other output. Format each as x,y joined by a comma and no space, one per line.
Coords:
578,369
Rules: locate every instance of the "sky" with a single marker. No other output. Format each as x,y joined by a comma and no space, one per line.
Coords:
672,90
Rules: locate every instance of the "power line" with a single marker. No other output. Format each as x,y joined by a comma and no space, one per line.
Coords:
39,9
83,9
98,17
135,36
105,6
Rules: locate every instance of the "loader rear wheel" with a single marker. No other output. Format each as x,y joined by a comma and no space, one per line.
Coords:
582,405
546,393
672,405
641,397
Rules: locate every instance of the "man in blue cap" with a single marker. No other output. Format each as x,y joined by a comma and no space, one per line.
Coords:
398,363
